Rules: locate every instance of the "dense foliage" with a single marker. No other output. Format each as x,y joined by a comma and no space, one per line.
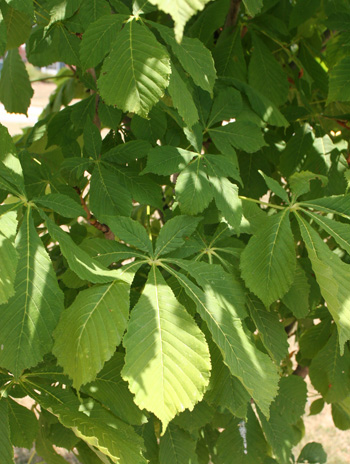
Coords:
175,238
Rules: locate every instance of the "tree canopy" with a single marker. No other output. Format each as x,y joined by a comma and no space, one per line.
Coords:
174,230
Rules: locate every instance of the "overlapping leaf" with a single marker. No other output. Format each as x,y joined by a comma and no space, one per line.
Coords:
30,316
167,359
136,73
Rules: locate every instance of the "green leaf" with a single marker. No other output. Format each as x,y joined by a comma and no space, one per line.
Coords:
192,188
313,453
182,98
107,252
253,7
29,317
264,107
10,166
296,148
132,232
332,276
61,204
242,442
108,197
275,187
92,140
110,116
171,235
227,105
337,204
79,261
6,448
339,81
228,55
243,135
268,261
224,389
287,408
329,372
136,72
25,6
297,297
8,258
15,89
167,360
23,425
98,39
82,111
90,329
177,447
93,10
252,367
181,11
167,160
3,35
338,230
193,56
18,27
270,329
300,182
112,391
266,74
97,427
341,414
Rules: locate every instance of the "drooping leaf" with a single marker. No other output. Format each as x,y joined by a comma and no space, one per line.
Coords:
329,372
18,26
268,261
167,359
270,329
92,140
15,89
239,353
136,72
30,316
276,188
90,329
266,74
339,81
332,275
227,105
341,414
297,297
194,57
182,98
296,148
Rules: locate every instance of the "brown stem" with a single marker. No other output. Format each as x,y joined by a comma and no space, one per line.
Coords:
232,15
91,220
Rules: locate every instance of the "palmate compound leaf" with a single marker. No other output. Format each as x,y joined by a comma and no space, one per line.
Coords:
91,328
268,261
181,11
253,368
29,317
95,426
6,448
332,275
136,72
167,360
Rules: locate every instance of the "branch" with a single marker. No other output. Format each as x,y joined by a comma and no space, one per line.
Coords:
232,15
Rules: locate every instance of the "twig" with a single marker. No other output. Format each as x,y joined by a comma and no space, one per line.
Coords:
232,15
